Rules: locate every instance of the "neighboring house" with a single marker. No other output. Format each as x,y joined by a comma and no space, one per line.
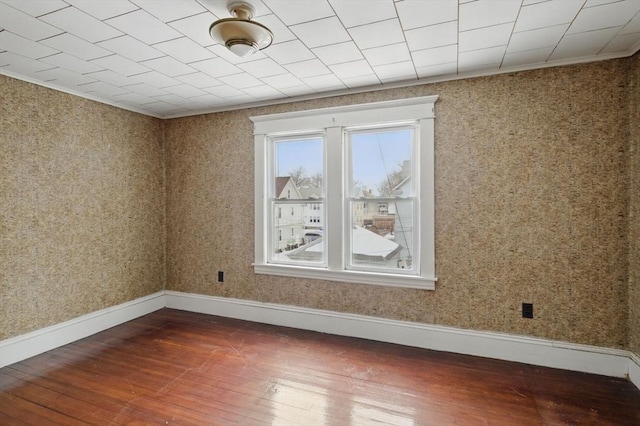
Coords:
313,212
288,220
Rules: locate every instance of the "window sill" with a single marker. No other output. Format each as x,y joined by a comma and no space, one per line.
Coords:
357,277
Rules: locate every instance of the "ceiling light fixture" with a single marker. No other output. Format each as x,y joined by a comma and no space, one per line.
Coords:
240,34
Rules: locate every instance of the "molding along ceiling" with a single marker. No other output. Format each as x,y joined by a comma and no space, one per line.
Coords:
157,57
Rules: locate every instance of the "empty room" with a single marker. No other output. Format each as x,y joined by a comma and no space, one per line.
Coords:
320,212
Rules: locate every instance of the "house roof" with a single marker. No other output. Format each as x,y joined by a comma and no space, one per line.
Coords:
281,183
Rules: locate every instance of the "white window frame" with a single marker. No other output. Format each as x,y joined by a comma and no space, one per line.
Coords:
332,122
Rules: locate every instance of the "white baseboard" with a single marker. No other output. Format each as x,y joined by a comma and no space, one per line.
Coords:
528,350
27,345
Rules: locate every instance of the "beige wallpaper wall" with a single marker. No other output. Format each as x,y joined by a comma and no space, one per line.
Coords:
532,194
634,223
82,206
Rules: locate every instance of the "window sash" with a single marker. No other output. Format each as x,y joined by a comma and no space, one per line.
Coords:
331,122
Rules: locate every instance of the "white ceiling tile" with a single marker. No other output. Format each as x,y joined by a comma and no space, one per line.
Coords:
185,90
36,7
338,53
435,56
110,77
605,16
387,54
184,49
243,98
199,80
633,27
622,43
293,12
535,39
168,66
219,8
223,91
81,24
361,81
583,44
431,71
102,88
321,32
64,77
216,67
174,99
283,81
21,64
145,89
121,65
294,91
155,79
482,38
534,56
280,31
355,13
26,25
72,63
414,14
134,98
351,69
131,48
196,28
547,14
400,71
76,46
592,3
307,69
324,83
485,13
432,36
289,52
262,68
263,92
377,34
206,100
241,81
481,59
104,9
170,10
25,47
144,27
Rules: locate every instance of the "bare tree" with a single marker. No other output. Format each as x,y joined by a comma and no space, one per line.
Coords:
392,180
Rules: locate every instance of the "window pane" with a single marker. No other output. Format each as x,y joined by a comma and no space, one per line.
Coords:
298,237
382,236
381,163
299,167
298,227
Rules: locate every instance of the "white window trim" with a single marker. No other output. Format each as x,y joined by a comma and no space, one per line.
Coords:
332,120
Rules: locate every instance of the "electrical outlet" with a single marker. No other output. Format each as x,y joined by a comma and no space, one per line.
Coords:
527,310
220,276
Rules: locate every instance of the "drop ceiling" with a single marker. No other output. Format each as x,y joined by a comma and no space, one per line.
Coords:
156,57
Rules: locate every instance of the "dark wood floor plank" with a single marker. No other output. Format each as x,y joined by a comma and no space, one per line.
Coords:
174,367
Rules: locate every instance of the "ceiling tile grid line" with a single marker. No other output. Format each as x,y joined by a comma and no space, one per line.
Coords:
157,58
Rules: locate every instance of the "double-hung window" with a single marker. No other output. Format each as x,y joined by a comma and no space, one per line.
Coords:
359,183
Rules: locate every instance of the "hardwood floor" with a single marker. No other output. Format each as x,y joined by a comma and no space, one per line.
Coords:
173,367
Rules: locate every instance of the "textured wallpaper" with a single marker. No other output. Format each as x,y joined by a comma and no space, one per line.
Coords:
82,206
532,205
634,223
